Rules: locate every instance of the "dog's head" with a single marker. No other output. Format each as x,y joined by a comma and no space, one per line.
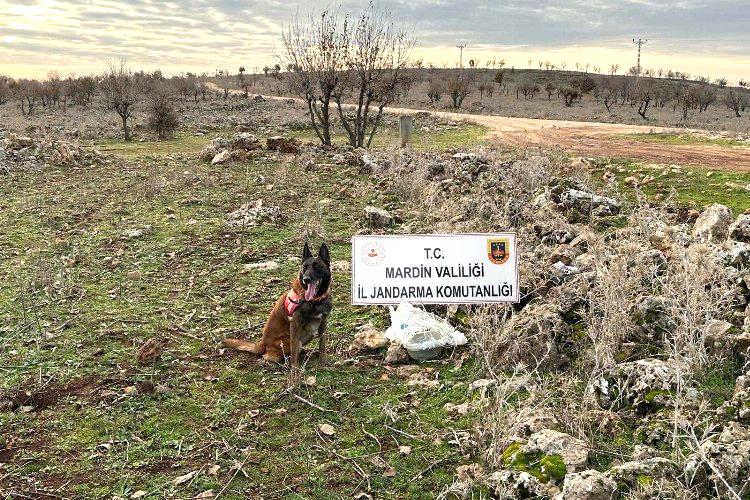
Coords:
315,273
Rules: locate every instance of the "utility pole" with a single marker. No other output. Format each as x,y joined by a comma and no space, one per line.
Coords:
639,43
460,47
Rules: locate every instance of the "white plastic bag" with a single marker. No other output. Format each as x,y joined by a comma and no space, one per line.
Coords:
421,333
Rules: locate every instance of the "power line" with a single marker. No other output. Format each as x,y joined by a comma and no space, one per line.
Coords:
639,43
461,47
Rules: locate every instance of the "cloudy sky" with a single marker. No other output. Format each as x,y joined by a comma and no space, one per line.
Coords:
709,37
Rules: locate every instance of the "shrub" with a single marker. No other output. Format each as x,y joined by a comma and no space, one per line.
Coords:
435,91
485,88
162,117
528,89
499,77
458,88
585,84
571,95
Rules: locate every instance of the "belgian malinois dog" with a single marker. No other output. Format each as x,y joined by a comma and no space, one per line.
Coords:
298,315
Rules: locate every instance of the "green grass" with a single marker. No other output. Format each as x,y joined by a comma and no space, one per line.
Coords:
447,136
182,143
451,136
685,139
69,314
690,186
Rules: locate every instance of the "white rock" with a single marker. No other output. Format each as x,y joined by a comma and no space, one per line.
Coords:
740,229
377,217
588,485
221,157
713,223
574,452
262,266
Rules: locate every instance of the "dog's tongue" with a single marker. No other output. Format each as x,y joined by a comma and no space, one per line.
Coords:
310,292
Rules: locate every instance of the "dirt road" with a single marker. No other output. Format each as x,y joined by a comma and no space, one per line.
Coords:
595,139
603,140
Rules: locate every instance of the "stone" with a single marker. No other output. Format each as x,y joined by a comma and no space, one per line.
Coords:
529,339
729,454
588,485
221,157
208,153
368,164
245,141
712,225
378,217
262,266
396,354
288,145
639,383
367,340
740,229
586,202
574,452
651,314
660,241
656,467
507,484
718,334
251,213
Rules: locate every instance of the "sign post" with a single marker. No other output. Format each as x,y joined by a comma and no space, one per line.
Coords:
435,269
406,127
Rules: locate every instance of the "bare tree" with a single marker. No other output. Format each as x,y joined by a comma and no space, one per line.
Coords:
122,90
550,88
26,93
317,50
706,97
337,58
459,87
643,96
435,91
570,95
607,91
4,89
377,57
688,99
736,100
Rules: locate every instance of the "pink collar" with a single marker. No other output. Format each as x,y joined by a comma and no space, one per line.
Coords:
292,302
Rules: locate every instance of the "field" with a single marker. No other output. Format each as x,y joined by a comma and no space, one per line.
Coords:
81,296
132,246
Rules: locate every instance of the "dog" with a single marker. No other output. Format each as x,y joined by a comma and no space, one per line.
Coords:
298,315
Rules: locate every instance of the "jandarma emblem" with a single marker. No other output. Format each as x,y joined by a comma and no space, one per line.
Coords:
498,250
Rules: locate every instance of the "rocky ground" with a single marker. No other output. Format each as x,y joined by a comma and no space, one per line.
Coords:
622,373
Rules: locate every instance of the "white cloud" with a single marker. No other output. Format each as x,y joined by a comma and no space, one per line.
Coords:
203,35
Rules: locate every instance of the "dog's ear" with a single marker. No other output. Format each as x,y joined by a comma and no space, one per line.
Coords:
306,253
323,254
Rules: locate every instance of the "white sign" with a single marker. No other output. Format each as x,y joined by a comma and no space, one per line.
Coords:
434,269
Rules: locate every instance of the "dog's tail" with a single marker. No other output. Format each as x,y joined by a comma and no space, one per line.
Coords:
244,345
